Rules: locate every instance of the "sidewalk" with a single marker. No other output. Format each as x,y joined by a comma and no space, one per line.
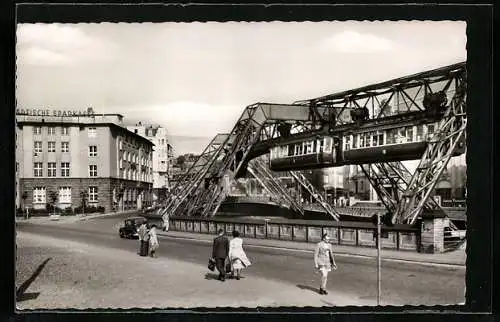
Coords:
71,219
456,258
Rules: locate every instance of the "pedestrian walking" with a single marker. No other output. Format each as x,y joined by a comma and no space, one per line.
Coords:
324,261
142,232
166,221
220,252
237,255
153,241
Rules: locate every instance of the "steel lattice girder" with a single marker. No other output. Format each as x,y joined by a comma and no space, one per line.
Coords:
439,151
265,116
299,177
276,193
393,175
260,171
253,120
196,172
404,93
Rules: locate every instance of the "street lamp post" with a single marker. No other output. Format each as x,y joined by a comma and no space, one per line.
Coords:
379,277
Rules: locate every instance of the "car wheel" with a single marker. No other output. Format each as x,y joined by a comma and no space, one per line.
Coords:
121,235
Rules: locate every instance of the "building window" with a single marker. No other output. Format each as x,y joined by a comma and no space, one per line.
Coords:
52,146
39,195
38,169
92,132
64,146
51,130
93,170
65,130
37,130
92,194
38,147
51,169
65,195
93,151
64,169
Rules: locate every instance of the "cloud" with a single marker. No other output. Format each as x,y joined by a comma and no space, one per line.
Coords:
353,42
186,118
56,44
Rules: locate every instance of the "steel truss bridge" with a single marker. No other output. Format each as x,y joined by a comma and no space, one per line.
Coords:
406,195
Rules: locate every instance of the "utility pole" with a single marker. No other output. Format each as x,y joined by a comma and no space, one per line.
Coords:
379,277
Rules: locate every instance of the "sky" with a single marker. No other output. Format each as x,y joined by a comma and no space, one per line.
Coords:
196,79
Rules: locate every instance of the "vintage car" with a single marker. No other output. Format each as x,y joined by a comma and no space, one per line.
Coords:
130,226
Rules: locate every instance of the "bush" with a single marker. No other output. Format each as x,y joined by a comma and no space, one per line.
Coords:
89,209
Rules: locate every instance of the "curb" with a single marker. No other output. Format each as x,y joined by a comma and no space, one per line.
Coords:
339,253
106,215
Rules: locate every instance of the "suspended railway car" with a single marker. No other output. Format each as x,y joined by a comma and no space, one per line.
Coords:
352,144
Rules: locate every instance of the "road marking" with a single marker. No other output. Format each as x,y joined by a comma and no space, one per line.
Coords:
337,254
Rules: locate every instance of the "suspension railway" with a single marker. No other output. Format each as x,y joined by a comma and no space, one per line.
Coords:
417,117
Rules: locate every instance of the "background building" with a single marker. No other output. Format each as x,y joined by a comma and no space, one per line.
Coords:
68,158
162,157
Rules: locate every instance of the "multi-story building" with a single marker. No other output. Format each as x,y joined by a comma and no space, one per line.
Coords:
81,157
162,157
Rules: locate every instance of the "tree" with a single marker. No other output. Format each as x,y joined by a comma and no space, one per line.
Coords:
181,159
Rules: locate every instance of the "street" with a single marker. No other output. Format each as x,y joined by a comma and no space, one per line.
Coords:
90,266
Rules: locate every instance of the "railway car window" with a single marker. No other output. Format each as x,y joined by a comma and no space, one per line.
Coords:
362,140
328,145
290,150
355,138
401,136
420,132
321,145
309,147
391,136
380,138
315,146
347,142
430,130
375,141
409,134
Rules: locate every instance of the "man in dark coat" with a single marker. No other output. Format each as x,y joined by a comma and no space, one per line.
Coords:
220,252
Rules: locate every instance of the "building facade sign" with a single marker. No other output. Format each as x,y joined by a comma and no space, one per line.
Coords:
61,113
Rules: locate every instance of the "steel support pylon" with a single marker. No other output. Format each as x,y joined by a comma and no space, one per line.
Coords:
259,169
300,178
444,143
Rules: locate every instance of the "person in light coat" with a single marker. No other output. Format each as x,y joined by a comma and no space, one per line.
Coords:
324,261
237,256
153,241
166,221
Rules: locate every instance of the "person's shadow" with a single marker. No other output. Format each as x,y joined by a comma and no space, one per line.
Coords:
211,276
309,288
21,294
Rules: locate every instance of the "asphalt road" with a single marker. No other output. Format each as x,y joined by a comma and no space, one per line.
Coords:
402,283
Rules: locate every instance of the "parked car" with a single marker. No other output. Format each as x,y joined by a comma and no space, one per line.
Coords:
150,210
130,226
